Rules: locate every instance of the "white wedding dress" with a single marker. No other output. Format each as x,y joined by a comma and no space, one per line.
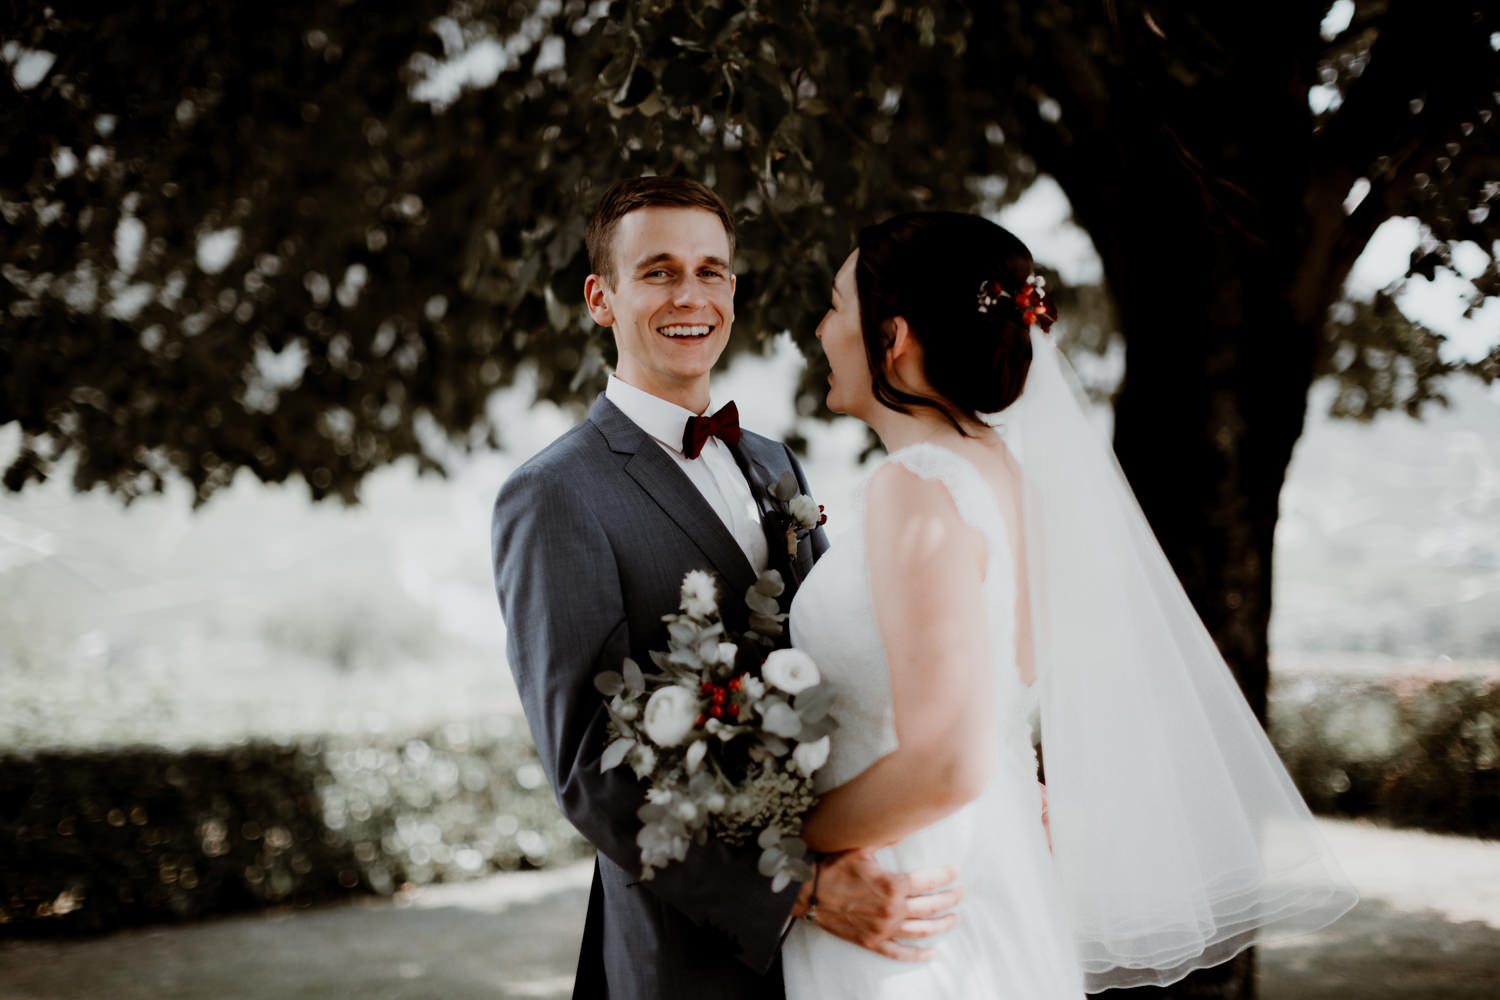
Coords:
1011,940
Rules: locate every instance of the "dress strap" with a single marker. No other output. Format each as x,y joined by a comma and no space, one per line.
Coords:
970,491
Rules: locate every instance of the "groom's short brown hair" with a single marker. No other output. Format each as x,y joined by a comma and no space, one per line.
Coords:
624,197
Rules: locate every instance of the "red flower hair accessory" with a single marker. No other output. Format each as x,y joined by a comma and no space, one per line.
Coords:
1031,301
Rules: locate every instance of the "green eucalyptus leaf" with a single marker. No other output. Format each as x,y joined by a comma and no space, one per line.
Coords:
785,488
635,681
765,624
770,584
813,703
615,753
761,604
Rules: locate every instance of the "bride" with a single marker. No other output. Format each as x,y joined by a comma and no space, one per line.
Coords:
999,568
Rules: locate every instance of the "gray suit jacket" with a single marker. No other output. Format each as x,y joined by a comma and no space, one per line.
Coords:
591,540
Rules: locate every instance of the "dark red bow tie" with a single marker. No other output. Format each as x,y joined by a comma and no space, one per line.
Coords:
724,425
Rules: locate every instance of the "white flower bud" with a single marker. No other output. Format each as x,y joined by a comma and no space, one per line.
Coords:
695,755
811,756
686,811
791,670
698,597
804,511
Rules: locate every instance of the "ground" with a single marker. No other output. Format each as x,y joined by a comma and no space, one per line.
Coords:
1427,928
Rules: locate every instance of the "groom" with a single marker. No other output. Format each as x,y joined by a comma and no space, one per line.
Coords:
592,538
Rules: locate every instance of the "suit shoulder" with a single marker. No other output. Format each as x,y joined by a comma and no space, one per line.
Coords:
764,444
578,447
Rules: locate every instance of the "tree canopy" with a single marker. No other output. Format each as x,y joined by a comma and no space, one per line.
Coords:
265,237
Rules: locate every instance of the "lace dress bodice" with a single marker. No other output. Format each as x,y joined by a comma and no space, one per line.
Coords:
1011,940
833,621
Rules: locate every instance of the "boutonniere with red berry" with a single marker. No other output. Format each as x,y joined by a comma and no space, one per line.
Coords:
801,514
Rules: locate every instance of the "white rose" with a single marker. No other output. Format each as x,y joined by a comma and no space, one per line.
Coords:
811,756
791,670
670,714
804,511
698,597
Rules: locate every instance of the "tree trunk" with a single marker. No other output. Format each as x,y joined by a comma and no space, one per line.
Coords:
1218,367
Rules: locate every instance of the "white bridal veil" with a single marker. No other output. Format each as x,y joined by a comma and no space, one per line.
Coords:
1176,832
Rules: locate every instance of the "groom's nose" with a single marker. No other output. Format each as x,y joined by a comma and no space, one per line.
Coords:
688,293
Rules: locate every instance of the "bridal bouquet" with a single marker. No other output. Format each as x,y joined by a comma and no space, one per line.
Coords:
726,732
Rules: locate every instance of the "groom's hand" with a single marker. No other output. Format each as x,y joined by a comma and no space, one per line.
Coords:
861,902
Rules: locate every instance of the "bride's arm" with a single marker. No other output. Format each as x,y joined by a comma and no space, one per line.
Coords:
926,572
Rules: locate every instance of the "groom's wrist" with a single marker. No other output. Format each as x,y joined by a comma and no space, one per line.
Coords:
807,896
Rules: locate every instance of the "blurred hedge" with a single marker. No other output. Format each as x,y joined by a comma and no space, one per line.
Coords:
1420,751
96,840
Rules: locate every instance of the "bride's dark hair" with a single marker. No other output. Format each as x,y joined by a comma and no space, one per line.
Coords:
927,267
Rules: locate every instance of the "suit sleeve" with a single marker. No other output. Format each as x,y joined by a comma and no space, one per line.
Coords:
560,596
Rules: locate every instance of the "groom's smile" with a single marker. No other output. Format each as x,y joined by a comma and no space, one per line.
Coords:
672,305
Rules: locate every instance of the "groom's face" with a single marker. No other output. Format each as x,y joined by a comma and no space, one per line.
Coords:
672,303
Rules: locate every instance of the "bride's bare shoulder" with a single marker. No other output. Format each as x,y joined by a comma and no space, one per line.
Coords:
915,512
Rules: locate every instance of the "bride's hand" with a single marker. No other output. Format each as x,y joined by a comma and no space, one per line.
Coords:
861,902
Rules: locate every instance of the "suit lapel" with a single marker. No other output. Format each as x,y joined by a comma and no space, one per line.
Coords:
661,478
759,477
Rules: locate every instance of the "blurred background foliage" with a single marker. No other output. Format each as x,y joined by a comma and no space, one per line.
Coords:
273,237
310,240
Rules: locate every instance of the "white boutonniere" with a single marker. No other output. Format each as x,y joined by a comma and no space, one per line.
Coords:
800,513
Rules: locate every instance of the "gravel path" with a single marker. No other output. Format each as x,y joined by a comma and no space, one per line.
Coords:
1427,928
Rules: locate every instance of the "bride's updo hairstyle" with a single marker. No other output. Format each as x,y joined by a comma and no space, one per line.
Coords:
929,267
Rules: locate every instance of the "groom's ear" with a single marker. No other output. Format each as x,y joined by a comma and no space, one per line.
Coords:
596,298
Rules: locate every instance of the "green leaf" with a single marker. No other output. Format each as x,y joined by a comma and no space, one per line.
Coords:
814,703
770,583
615,753
765,624
762,604
785,487
634,680
640,86
817,730
609,683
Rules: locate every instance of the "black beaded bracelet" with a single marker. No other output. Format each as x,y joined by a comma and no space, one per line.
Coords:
811,916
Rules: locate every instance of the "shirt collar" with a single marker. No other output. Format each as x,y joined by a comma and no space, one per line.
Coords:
663,420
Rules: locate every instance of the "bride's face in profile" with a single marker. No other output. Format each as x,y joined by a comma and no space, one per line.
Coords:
842,337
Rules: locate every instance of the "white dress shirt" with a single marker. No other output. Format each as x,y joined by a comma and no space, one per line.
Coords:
714,472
